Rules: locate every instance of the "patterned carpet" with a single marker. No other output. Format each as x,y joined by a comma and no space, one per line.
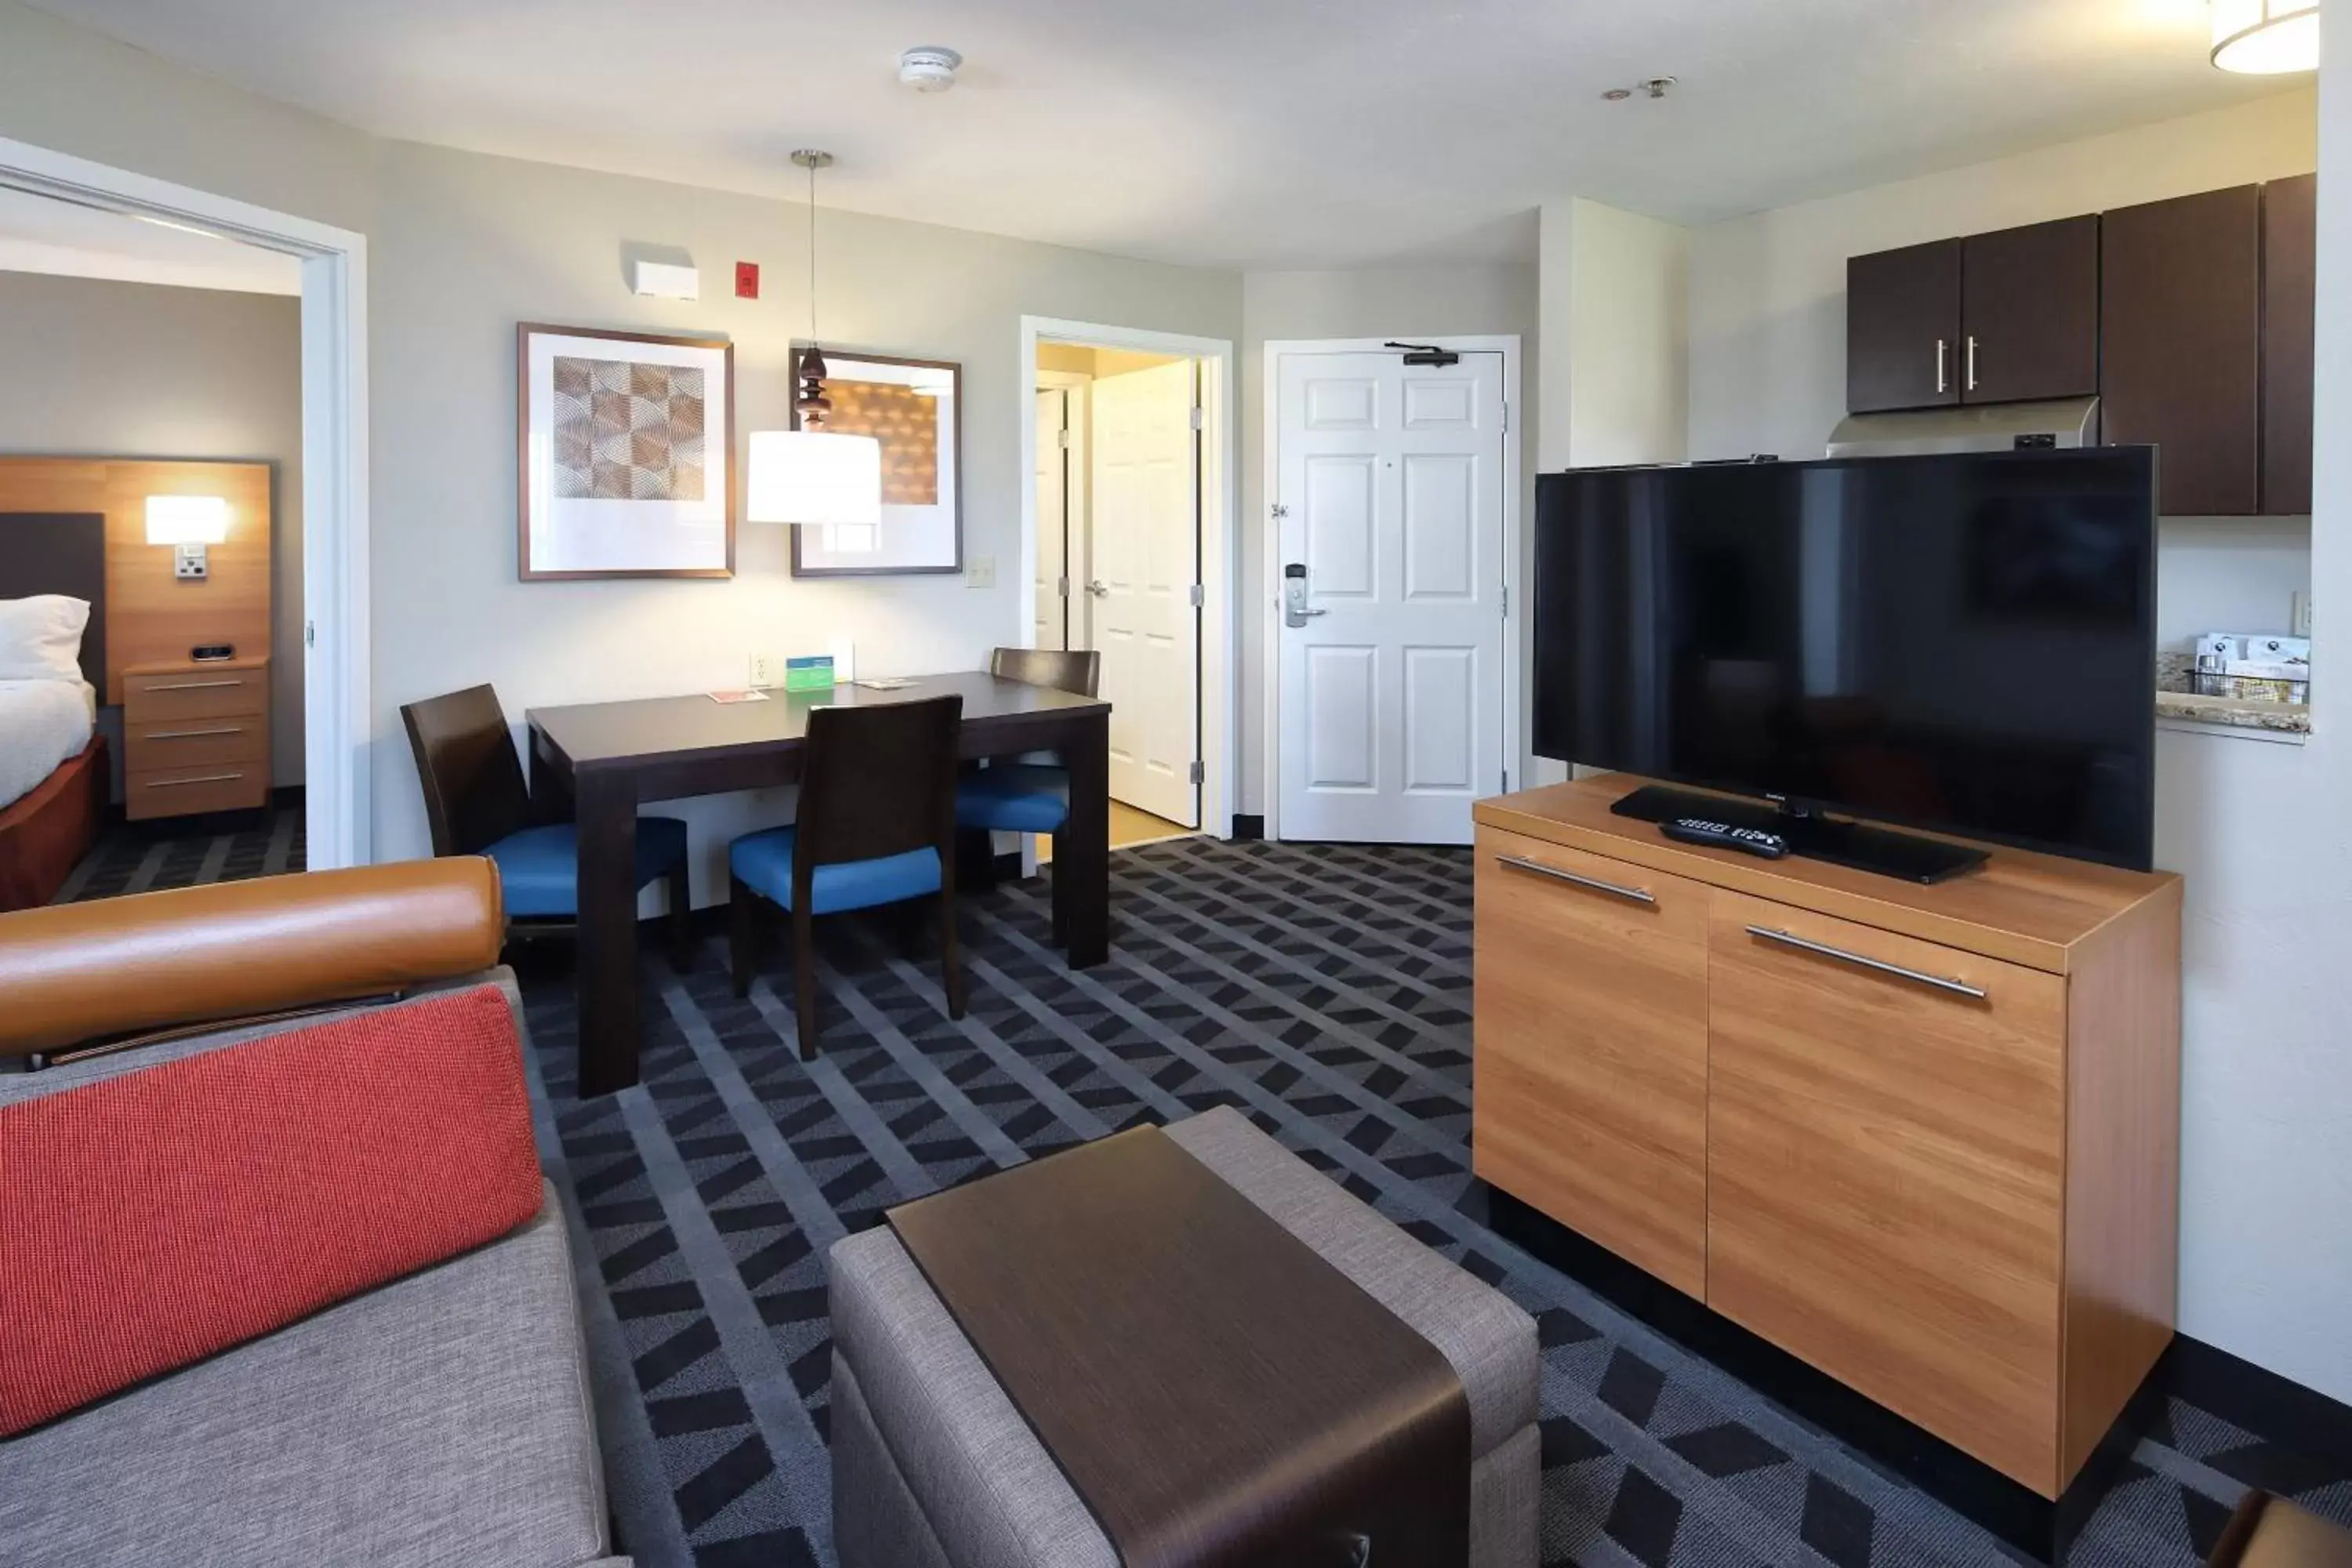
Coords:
1324,991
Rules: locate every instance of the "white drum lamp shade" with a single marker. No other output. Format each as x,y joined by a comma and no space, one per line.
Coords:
187,520
2266,37
815,477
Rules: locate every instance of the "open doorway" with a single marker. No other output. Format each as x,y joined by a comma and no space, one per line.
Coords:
1125,556
293,539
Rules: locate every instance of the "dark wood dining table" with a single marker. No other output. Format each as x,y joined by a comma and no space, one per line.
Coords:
608,757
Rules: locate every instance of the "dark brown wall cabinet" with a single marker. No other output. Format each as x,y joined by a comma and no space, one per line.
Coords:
2181,326
2030,313
2008,317
1903,328
2290,260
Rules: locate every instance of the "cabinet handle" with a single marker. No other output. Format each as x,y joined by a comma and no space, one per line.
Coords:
208,778
193,734
1615,890
1969,381
1957,987
1941,380
189,685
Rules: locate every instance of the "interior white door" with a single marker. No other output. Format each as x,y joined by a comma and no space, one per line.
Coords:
1390,484
1143,527
1050,591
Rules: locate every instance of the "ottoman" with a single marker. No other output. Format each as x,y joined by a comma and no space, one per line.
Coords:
933,1467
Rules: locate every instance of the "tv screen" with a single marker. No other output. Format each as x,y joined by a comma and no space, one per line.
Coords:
1963,643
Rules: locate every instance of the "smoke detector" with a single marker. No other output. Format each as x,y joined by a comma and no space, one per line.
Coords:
1655,86
928,67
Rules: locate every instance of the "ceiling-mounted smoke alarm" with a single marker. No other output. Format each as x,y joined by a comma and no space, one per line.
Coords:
928,67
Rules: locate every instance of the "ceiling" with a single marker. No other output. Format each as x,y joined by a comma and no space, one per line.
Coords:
40,233
1225,133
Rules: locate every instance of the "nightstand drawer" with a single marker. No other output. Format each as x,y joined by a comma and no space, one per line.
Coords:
198,742
195,694
177,791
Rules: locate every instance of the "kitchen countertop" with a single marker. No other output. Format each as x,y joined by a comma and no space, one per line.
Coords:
2175,700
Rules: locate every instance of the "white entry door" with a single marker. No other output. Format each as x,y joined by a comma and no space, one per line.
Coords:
1144,519
1050,589
1390,484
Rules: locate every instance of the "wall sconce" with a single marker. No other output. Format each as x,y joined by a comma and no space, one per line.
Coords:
187,524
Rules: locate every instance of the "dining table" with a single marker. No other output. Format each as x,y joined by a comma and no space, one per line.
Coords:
605,759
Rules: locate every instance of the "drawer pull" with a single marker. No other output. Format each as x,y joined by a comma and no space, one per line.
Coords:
188,685
193,734
208,778
1957,987
1614,889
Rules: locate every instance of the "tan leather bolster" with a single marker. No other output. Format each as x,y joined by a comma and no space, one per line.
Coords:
83,972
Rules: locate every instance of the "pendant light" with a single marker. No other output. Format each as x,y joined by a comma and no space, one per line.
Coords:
2266,37
813,476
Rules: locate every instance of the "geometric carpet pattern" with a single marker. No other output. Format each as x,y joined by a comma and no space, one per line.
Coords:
1323,991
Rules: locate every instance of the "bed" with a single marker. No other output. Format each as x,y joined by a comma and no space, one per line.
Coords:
53,771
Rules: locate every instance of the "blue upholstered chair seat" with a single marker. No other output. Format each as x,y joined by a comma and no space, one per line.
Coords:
763,863
1018,797
539,867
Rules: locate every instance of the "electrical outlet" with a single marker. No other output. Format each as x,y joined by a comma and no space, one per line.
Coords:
2298,620
980,571
767,670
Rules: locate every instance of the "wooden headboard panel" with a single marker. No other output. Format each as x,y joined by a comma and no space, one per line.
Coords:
59,552
152,616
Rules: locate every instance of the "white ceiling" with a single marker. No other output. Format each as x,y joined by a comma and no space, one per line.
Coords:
1229,132
38,234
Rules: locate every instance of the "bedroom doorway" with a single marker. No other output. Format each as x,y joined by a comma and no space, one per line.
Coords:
327,641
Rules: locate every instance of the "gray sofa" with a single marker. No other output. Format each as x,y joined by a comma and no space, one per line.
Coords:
445,1418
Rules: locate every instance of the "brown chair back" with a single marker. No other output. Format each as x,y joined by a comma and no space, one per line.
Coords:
1078,672
876,781
475,794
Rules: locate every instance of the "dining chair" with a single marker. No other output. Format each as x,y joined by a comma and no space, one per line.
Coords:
1028,796
876,825
477,803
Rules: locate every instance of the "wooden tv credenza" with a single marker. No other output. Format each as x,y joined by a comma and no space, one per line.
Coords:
1924,1139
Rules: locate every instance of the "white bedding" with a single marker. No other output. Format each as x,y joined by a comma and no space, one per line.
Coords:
42,722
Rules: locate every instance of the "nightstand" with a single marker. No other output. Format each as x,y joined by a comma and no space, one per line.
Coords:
196,737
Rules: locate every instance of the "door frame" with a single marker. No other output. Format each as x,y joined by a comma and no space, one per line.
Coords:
336,689
1514,481
1220,543
1080,515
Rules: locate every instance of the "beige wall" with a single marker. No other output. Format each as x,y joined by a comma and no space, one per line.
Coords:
1616,313
1076,359
1404,302
463,247
134,370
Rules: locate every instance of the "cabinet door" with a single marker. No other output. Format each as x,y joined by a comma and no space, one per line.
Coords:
1885,1172
2290,269
1903,328
1589,1097
2180,335
2030,313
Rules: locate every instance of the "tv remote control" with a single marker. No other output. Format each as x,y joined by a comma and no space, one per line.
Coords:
1722,835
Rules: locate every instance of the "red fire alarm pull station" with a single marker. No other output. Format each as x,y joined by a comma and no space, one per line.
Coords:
747,280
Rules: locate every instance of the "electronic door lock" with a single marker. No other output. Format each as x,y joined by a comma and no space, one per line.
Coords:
1295,612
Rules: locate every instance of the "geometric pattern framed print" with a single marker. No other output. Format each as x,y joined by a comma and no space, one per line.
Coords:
626,454
914,408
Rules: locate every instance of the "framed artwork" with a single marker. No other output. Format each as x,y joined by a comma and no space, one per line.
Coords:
626,454
914,407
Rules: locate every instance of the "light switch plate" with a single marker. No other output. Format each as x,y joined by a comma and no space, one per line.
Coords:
980,571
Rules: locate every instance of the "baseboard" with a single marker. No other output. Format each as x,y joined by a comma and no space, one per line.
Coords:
2040,1529
1248,827
2275,1408
286,797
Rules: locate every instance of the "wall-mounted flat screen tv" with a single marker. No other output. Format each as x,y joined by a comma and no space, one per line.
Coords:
1960,643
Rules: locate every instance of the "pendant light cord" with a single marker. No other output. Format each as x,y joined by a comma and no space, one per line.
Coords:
812,240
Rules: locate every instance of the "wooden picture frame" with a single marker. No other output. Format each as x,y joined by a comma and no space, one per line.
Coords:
921,530
602,440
